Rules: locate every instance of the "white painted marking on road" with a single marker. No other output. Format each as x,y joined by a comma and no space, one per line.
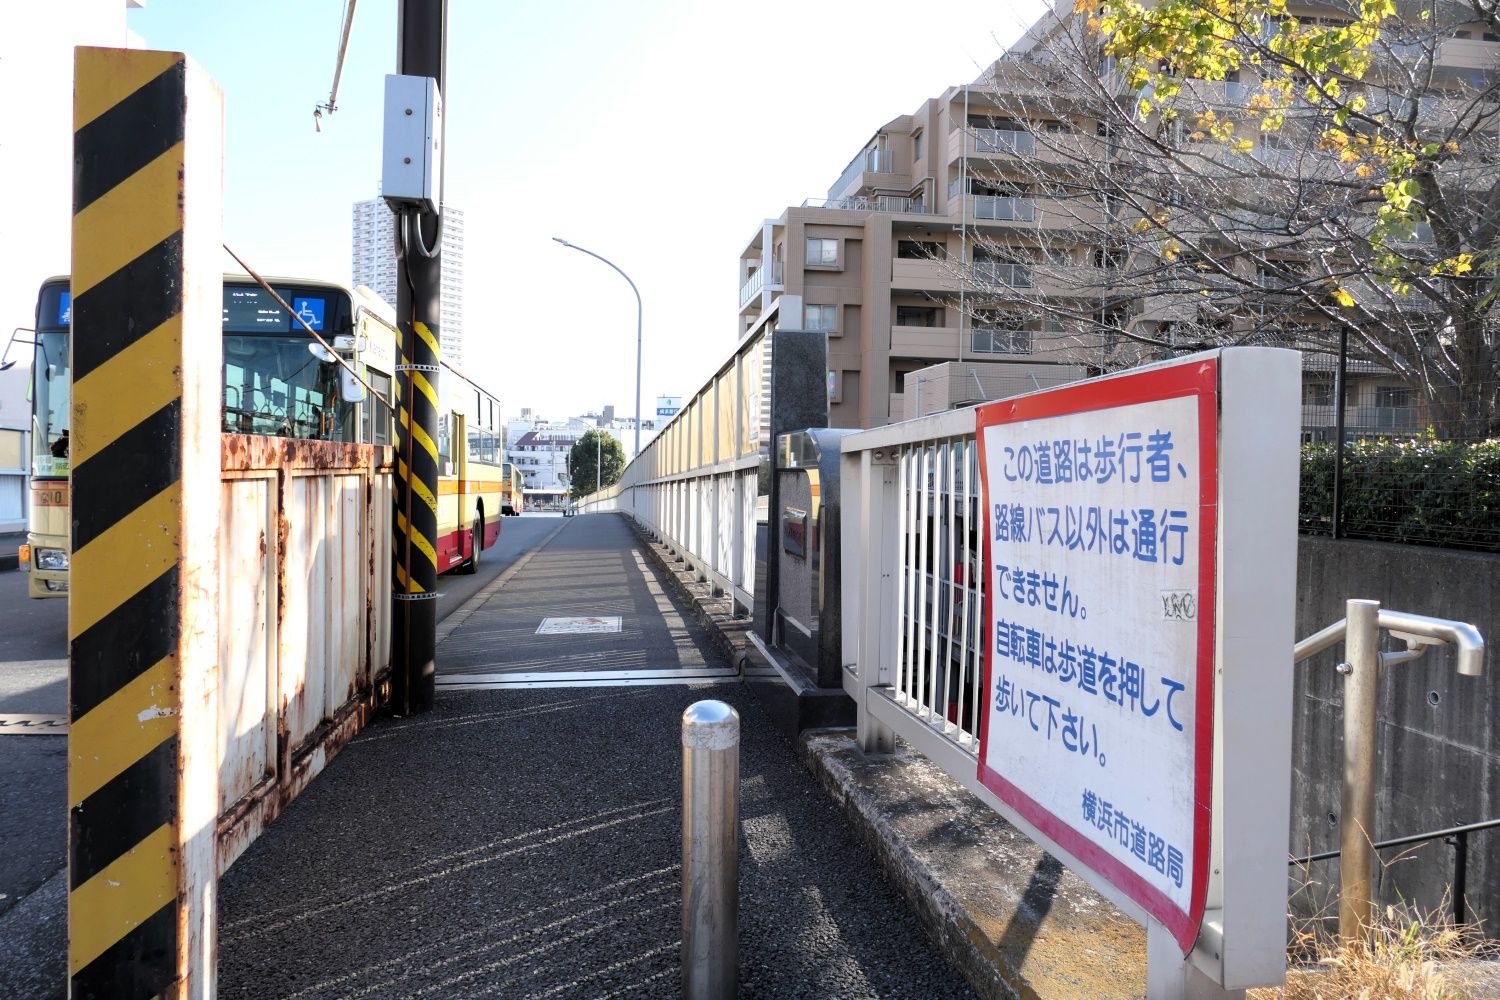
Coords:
588,678
586,625
33,725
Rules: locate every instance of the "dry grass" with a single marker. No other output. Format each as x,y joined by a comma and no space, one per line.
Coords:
1412,954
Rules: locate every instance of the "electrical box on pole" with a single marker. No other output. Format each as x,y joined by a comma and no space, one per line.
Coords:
412,157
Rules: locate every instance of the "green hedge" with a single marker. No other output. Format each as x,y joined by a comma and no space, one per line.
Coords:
1416,490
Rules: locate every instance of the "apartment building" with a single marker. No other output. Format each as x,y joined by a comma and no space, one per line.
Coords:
374,265
984,228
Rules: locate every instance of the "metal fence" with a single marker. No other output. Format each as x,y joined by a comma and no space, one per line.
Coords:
913,593
1405,474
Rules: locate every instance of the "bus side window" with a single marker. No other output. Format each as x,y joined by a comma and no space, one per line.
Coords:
377,413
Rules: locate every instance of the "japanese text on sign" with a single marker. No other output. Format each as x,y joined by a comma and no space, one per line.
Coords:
1094,542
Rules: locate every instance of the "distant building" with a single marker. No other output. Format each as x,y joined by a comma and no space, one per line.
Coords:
374,244
538,448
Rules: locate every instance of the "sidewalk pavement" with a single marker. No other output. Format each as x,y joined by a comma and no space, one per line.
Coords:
525,842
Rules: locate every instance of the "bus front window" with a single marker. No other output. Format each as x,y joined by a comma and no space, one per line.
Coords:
50,389
275,386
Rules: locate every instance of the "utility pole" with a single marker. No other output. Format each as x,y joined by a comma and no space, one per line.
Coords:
421,50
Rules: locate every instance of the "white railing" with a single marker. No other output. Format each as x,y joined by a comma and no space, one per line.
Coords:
913,593
696,485
752,286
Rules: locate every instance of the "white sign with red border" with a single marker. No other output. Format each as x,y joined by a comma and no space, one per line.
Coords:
1100,547
1109,505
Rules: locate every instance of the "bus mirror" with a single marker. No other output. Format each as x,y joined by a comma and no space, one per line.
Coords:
322,353
351,389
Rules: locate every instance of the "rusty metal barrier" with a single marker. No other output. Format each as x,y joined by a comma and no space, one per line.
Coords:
304,640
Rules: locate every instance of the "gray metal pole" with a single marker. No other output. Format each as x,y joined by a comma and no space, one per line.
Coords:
1340,391
710,850
1357,828
637,291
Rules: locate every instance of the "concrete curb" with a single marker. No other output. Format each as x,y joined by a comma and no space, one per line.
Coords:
1004,912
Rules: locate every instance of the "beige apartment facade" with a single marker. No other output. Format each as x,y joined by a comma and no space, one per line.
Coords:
964,232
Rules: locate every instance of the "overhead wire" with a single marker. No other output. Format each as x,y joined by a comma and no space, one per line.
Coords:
338,69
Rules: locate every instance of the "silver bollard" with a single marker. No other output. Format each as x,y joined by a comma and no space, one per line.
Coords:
1357,821
710,850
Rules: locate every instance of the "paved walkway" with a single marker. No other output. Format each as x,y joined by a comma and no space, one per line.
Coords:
524,842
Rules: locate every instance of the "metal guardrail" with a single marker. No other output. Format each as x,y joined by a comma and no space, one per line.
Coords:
696,484
1359,631
1457,836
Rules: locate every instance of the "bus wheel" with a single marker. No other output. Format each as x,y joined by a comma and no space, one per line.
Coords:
471,565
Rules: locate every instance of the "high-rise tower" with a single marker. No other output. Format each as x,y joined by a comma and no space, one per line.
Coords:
374,246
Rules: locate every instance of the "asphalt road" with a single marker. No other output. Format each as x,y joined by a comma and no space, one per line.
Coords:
33,769
30,630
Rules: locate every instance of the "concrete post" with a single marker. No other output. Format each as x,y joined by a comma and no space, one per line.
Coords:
710,850
148,378
1357,823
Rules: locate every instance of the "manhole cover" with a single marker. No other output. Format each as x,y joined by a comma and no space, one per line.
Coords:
33,725
579,626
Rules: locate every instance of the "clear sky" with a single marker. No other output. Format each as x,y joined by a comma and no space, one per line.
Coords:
657,133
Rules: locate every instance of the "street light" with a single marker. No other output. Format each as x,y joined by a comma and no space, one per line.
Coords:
574,246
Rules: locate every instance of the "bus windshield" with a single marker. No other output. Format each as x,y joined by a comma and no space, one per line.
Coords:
273,384
50,386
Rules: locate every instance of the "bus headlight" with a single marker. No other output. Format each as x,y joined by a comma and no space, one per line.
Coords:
54,559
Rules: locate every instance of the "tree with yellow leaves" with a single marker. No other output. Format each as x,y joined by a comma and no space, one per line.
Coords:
1267,173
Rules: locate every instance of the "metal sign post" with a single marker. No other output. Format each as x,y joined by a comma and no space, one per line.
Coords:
1141,555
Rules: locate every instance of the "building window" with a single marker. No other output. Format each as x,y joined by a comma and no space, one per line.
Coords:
822,253
1109,258
1392,396
916,316
1317,392
916,146
920,250
822,317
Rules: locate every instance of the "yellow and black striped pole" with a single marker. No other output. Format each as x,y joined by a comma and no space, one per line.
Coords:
421,51
142,616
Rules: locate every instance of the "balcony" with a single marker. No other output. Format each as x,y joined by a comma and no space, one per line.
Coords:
995,144
997,340
898,204
1004,208
755,284
752,286
994,272
938,342
924,275
868,161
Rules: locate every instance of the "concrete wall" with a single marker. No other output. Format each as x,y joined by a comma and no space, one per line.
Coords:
1439,745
